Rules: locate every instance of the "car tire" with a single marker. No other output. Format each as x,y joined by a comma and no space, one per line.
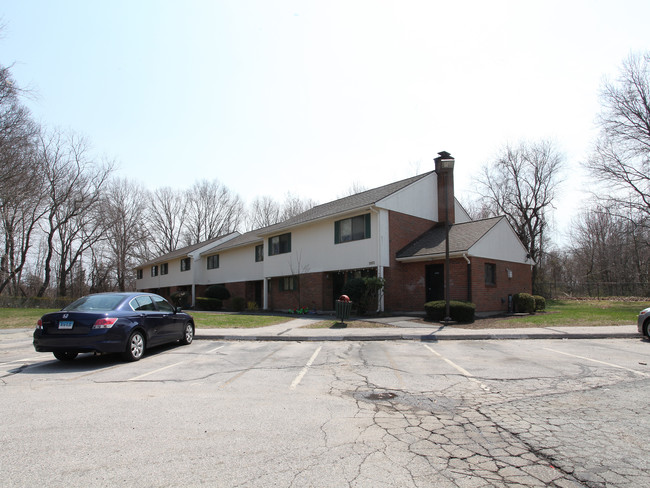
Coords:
134,346
646,329
188,334
65,355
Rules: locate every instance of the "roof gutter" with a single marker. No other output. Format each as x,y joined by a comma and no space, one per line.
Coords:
433,257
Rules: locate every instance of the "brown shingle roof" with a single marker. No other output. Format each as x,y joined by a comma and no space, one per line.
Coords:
461,238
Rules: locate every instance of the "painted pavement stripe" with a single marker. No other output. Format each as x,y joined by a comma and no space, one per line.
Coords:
304,370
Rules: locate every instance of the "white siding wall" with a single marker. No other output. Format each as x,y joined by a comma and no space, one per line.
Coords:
313,250
501,243
235,265
174,278
419,199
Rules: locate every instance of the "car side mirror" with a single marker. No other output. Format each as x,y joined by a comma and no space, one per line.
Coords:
178,309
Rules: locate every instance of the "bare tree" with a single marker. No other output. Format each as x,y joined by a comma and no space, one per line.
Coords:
20,207
212,211
294,205
620,164
166,211
126,234
73,186
264,212
17,135
521,184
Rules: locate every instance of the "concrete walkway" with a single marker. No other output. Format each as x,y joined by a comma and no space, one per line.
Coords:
404,328
399,329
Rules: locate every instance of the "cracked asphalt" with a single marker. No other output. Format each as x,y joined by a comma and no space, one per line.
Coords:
349,414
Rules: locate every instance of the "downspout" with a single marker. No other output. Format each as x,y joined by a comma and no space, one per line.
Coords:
469,277
380,267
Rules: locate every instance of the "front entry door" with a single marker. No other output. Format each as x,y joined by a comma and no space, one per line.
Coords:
435,282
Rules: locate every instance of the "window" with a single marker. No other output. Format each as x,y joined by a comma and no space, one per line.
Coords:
490,274
162,304
186,264
142,303
352,229
280,244
154,270
164,268
139,274
259,253
213,261
289,283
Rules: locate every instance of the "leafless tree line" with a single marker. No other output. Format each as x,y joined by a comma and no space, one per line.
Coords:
609,250
69,225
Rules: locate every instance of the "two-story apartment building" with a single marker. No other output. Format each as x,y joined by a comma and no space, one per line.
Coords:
396,232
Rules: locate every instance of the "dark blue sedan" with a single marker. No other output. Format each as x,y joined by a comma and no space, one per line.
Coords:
125,323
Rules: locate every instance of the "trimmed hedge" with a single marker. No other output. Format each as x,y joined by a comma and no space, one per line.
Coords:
524,303
238,304
180,299
540,303
459,311
217,291
203,303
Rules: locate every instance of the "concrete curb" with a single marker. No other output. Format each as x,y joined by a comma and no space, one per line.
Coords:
414,337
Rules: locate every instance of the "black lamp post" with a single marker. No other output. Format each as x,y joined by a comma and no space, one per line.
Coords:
445,165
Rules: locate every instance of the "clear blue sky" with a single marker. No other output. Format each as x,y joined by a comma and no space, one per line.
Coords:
310,96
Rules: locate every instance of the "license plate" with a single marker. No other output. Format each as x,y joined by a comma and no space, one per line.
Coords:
66,324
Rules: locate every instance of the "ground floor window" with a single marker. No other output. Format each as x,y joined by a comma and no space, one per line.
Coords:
289,283
490,274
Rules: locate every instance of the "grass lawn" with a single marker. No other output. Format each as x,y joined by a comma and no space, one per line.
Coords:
16,318
559,313
569,313
208,320
349,324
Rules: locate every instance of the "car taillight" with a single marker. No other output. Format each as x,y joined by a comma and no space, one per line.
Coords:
39,324
105,323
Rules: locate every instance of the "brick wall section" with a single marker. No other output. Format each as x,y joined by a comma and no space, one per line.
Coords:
314,291
404,282
490,298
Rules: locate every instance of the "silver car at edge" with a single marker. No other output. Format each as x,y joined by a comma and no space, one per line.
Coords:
643,322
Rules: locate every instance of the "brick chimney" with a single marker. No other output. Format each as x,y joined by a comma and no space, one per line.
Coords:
445,171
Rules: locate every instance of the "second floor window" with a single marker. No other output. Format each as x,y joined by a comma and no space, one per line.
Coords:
154,270
280,244
213,261
259,253
186,264
164,268
352,229
139,274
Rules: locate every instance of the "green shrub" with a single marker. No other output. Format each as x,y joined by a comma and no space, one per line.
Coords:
180,299
524,303
203,303
540,303
459,311
364,292
238,304
217,291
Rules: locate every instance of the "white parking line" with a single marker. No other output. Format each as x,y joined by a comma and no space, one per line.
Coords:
155,371
22,360
599,362
462,371
215,349
304,370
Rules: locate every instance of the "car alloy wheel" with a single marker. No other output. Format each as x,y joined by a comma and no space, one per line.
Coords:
188,337
134,347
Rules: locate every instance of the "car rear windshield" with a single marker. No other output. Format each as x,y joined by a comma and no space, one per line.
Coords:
96,302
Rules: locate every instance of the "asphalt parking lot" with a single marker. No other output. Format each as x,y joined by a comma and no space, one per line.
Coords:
393,413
